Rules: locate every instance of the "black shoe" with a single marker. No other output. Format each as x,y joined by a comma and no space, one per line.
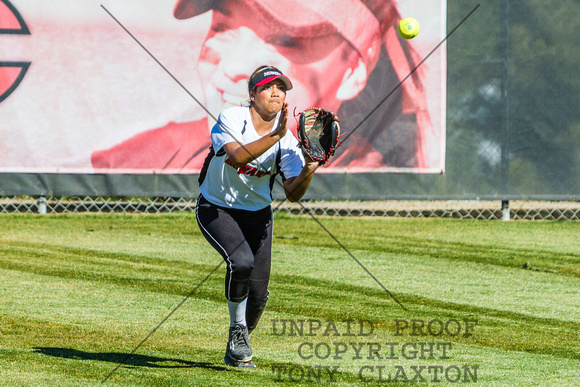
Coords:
238,348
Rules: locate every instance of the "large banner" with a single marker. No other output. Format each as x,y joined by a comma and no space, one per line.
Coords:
134,86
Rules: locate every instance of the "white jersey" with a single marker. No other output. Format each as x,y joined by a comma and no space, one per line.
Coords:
248,187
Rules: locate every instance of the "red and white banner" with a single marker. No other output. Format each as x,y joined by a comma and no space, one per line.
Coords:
133,86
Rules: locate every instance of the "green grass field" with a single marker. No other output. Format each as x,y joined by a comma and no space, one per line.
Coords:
485,303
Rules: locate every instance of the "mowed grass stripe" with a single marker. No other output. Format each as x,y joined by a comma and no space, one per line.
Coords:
322,299
94,344
567,264
107,257
176,277
135,271
100,346
372,304
496,328
86,353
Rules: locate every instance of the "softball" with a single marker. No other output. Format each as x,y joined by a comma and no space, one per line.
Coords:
409,28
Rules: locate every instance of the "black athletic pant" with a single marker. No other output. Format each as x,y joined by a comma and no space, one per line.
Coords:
244,240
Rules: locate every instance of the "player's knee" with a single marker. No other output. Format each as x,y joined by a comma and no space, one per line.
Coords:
243,269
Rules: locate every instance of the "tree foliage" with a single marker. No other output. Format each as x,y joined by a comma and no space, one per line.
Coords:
539,129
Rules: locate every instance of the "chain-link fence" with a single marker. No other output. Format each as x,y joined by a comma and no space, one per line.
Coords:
460,209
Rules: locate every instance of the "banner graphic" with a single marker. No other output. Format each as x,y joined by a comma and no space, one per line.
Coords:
106,87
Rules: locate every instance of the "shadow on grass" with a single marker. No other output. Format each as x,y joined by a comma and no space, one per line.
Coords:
134,360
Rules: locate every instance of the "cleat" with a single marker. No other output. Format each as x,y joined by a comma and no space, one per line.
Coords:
238,349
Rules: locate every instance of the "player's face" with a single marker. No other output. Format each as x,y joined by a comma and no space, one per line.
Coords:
239,42
270,97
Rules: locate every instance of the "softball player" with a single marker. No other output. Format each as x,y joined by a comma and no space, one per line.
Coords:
250,146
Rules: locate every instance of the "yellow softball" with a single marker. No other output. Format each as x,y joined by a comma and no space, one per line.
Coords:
409,28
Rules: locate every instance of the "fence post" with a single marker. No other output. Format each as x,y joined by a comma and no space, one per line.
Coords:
505,210
505,131
41,205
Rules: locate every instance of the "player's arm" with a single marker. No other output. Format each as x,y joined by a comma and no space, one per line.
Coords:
296,187
240,154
